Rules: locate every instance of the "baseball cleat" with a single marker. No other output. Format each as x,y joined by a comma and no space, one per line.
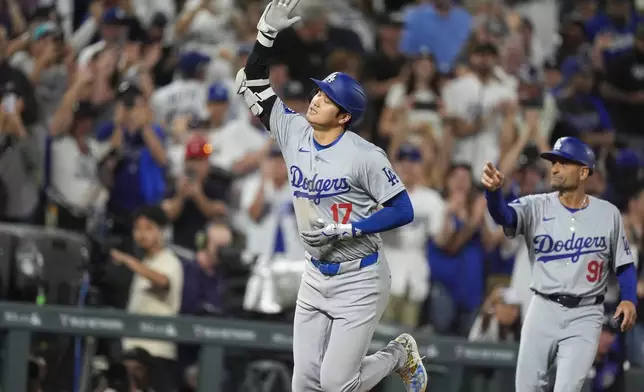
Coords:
413,373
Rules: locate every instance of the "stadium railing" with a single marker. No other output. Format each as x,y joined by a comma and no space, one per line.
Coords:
19,321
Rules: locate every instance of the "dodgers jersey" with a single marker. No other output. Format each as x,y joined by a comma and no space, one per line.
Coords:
571,253
181,97
344,182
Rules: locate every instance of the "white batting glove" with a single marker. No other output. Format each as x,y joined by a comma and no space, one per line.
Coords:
276,17
326,233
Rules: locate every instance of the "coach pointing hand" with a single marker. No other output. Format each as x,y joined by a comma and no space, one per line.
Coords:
491,178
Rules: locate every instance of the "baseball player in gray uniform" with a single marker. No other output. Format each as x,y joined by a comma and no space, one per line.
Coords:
345,192
575,242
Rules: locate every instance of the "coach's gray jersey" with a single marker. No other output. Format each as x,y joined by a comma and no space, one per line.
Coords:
571,253
342,183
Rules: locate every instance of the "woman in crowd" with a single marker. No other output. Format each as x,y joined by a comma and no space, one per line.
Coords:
457,264
414,101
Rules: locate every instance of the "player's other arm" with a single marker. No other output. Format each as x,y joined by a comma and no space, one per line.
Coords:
383,184
252,81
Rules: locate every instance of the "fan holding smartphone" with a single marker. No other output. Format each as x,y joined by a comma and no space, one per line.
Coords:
199,197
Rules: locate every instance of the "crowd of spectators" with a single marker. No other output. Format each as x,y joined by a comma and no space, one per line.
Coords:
121,116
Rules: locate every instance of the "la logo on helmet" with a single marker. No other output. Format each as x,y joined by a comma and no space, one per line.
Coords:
558,144
331,78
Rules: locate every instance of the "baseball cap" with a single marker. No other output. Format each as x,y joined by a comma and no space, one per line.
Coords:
198,148
409,152
45,30
190,61
217,92
114,16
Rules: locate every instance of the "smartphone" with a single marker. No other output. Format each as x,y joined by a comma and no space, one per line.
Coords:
9,103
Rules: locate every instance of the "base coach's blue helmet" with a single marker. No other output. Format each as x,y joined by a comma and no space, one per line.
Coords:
572,149
345,92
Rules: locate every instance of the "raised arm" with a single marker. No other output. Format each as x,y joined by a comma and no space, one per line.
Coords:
252,81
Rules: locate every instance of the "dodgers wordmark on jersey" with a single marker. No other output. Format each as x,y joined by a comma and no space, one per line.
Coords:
572,252
344,183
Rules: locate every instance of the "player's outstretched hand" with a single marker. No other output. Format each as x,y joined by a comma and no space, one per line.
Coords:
324,233
492,179
626,311
276,17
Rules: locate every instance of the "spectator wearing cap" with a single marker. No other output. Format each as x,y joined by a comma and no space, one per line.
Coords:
183,128
266,200
296,97
155,290
405,246
137,164
581,112
623,89
43,62
413,102
382,68
113,23
442,27
477,106
613,29
74,187
305,47
219,106
185,96
198,198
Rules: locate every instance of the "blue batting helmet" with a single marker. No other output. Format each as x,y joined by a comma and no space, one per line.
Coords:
345,92
572,149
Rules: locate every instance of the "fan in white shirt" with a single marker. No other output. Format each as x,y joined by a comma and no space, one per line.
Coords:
405,246
74,182
478,104
185,96
266,199
416,98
